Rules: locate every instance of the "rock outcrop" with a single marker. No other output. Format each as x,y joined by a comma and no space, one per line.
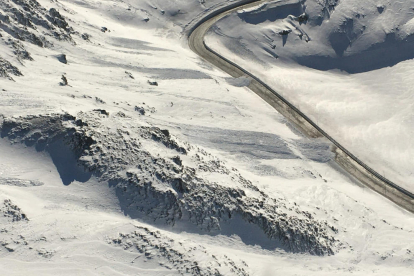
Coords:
175,188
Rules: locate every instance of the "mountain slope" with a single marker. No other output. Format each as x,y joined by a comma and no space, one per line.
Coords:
122,153
361,92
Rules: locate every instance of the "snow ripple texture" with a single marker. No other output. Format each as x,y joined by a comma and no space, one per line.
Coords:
162,180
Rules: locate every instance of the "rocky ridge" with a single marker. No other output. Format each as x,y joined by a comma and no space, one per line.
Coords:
12,211
7,69
183,256
173,188
27,21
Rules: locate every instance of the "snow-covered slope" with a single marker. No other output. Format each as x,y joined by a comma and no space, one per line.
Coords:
122,153
367,107
353,36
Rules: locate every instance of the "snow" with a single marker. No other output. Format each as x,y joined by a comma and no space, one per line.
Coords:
368,109
236,144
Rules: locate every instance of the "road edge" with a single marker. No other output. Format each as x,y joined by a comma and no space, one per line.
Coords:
343,157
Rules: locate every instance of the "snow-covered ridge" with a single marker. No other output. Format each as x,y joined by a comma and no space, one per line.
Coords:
184,257
165,189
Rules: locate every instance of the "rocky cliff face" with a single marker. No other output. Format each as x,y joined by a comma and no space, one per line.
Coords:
162,180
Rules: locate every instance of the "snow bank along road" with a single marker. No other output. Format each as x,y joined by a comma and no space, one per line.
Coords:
344,158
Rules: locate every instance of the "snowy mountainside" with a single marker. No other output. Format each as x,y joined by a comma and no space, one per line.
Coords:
353,36
122,153
361,92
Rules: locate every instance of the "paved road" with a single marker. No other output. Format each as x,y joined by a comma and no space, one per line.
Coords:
344,158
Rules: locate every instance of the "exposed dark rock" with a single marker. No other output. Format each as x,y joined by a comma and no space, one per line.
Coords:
177,160
129,74
57,19
285,32
99,100
62,58
144,109
155,188
102,111
64,81
12,211
165,132
86,36
141,110
7,69
302,18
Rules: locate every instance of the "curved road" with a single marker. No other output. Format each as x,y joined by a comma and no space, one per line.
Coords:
344,158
